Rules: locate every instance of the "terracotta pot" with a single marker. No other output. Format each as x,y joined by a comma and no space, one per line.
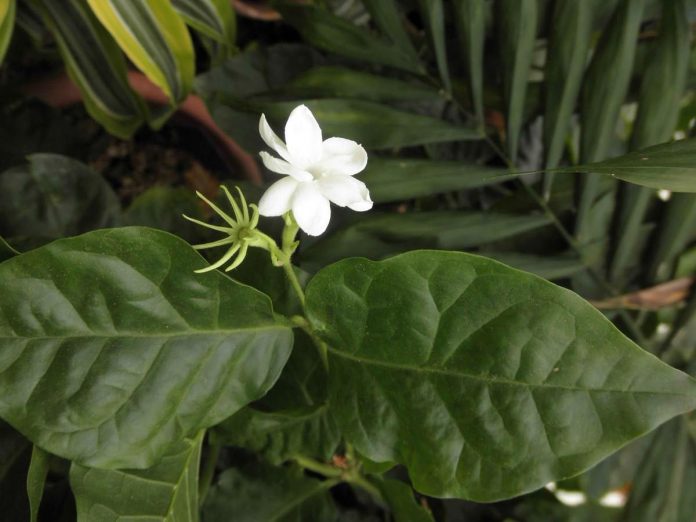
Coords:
60,91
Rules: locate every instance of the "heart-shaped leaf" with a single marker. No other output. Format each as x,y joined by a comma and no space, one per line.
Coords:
486,382
112,349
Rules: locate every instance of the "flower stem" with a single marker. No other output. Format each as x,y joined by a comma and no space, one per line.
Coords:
318,467
352,476
294,282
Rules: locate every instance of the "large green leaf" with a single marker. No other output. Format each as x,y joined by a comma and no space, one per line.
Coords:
112,349
36,480
374,125
322,29
53,196
670,166
381,235
95,63
166,492
264,493
517,21
155,38
292,419
399,179
484,381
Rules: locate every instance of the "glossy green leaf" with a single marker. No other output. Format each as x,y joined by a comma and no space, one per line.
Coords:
433,13
399,496
36,480
156,40
213,18
373,125
341,82
517,29
112,349
659,103
161,207
501,380
399,179
322,29
292,419
663,488
569,44
53,196
8,10
95,63
670,166
381,235
165,492
263,493
471,27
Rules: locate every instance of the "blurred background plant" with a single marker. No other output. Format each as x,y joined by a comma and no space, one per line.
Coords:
453,99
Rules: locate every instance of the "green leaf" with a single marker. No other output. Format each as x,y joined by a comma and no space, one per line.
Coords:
373,125
53,196
668,166
156,40
166,492
8,10
96,65
112,349
471,27
675,232
400,179
433,14
264,493
320,28
380,235
403,506
569,44
517,21
662,489
387,16
548,267
292,419
213,18
36,480
6,250
659,103
485,382
161,207
340,82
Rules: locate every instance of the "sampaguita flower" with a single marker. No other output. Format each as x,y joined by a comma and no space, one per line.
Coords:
316,172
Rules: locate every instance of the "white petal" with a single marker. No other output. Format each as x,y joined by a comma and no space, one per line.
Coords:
283,167
277,200
312,211
303,138
346,191
272,139
341,156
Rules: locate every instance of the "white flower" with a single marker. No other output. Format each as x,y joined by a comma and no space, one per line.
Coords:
316,172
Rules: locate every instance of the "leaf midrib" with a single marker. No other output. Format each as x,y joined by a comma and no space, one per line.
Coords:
450,373
136,335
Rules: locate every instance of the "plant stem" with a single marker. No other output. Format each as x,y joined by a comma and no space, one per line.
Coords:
319,467
208,471
294,282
